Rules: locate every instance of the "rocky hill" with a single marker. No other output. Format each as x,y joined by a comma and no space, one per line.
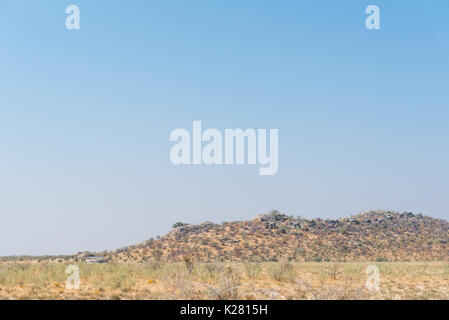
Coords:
371,236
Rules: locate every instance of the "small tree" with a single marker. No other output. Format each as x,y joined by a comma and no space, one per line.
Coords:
179,224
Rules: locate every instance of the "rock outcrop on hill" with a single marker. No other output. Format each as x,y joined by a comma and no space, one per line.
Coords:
371,236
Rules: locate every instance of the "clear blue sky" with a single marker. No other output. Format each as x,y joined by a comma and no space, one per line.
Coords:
85,116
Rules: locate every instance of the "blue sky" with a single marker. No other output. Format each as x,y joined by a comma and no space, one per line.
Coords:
85,116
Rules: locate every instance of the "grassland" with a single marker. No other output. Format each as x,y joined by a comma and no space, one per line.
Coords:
227,280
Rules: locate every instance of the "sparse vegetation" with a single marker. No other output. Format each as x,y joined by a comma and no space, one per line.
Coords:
274,256
229,280
372,236
282,271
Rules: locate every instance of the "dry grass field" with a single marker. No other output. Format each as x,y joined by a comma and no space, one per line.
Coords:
238,280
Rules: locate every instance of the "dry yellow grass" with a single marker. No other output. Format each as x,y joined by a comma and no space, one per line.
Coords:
244,280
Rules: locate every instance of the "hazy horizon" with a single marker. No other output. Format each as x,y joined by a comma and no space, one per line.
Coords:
170,228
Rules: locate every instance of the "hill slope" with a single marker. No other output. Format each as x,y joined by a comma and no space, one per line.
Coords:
371,236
